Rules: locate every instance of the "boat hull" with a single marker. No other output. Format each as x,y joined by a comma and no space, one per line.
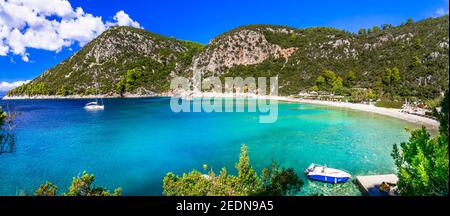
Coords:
94,107
328,179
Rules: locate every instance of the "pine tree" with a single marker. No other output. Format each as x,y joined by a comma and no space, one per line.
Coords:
246,175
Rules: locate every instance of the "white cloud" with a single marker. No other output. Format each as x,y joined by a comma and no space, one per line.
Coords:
49,25
82,29
25,58
6,86
440,12
122,19
47,7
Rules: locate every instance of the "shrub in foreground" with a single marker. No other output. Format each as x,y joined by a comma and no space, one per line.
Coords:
274,181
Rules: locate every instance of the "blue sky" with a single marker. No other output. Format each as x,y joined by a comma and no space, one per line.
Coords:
201,20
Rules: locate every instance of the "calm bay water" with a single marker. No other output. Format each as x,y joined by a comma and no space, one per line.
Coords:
133,143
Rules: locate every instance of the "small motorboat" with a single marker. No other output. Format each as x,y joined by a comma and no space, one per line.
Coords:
94,106
325,174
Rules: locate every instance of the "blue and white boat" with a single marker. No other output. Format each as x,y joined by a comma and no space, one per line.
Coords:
325,174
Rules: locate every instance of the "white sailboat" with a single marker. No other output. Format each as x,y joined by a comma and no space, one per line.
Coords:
94,106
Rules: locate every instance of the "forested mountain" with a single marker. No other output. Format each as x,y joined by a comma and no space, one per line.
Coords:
117,54
410,60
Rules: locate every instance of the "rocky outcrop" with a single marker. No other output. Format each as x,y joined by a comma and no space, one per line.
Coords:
244,47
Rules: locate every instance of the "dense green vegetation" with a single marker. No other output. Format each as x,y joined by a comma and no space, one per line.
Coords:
423,161
155,56
388,62
81,186
328,81
2,116
407,61
273,181
37,88
278,181
7,136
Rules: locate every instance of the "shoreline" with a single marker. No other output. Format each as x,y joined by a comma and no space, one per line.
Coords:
390,112
394,113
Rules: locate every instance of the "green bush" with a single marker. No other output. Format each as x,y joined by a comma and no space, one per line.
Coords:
422,162
81,186
273,181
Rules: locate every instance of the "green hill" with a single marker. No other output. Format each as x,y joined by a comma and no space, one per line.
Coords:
410,60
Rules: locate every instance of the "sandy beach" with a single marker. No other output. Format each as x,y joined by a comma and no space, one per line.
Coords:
395,113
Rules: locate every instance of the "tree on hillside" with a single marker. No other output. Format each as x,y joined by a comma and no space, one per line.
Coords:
410,21
351,78
132,79
376,29
362,31
320,81
64,91
329,77
121,87
391,76
329,81
337,85
422,162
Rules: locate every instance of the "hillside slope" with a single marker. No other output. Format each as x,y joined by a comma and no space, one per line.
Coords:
403,61
107,59
299,56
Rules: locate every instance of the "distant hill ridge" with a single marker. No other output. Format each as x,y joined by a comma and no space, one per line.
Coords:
410,60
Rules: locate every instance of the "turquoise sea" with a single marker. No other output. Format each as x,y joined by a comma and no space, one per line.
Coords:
133,143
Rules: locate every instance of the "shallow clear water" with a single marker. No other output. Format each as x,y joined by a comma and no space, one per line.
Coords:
133,143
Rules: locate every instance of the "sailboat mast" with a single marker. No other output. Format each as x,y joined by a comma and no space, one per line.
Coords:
97,87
